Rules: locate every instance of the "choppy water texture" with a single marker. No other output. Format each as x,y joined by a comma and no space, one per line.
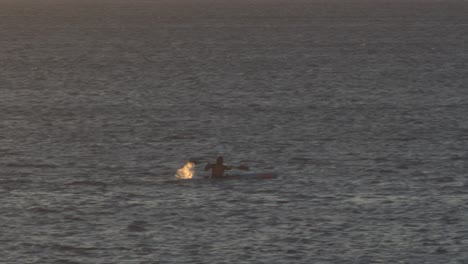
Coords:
359,106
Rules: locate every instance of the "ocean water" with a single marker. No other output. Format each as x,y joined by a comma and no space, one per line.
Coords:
360,107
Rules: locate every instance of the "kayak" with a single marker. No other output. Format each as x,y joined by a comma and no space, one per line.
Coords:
264,175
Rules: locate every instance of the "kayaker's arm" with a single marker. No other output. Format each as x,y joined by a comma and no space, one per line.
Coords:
241,167
208,166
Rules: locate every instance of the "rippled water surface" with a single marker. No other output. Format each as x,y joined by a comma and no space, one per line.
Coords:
359,106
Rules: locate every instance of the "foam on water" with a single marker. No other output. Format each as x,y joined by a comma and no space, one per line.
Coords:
187,171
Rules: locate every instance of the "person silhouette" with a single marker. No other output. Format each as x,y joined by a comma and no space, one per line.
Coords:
217,169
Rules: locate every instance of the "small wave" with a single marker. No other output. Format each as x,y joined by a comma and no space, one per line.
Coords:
14,183
69,248
441,250
87,183
458,158
73,218
19,181
65,261
29,165
137,226
178,137
30,245
42,210
82,250
387,171
443,179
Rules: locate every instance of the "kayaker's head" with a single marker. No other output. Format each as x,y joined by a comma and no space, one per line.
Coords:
219,160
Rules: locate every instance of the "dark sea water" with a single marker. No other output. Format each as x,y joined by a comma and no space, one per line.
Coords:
360,107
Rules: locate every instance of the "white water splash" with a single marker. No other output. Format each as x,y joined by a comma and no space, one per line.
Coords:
187,171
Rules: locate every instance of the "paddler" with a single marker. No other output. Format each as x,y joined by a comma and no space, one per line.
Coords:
217,169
